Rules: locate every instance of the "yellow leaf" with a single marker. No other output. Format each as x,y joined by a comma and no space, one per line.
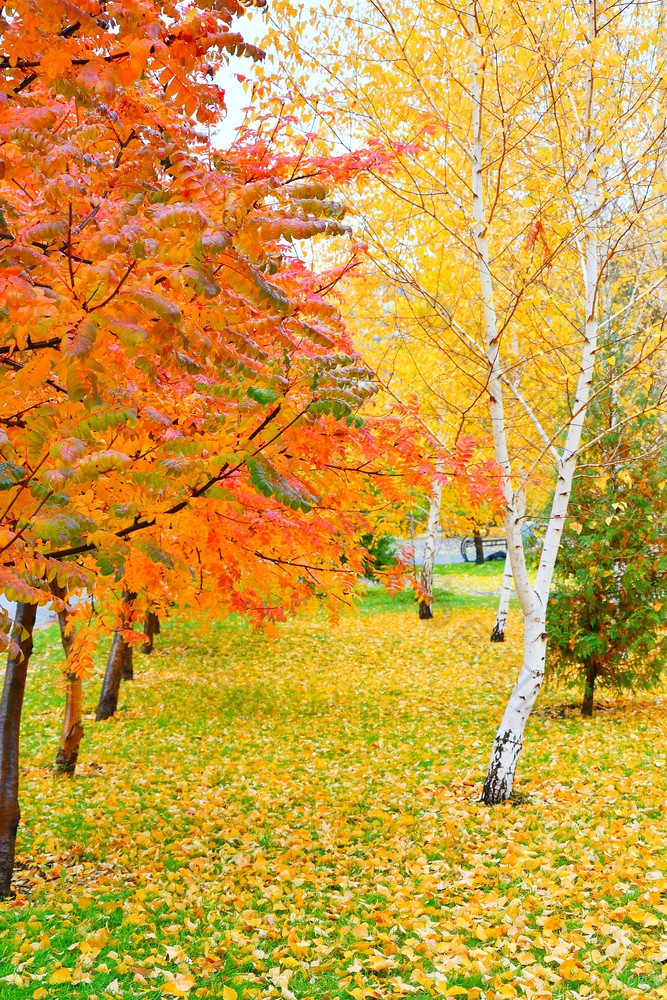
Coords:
172,990
39,993
571,971
228,993
185,982
456,991
61,975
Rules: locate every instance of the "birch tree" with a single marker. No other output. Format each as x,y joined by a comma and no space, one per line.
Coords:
533,138
498,632
425,604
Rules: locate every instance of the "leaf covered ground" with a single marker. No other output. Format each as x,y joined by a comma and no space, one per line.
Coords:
299,817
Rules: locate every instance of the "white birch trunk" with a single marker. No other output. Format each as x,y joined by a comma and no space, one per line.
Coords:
426,603
498,633
509,738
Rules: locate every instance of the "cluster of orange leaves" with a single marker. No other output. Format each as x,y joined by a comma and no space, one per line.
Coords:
180,402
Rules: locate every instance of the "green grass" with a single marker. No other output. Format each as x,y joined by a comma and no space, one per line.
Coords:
460,594
469,571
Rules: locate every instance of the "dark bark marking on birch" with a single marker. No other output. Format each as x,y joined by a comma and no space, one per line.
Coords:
498,634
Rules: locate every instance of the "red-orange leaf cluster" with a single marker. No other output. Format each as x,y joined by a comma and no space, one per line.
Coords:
180,402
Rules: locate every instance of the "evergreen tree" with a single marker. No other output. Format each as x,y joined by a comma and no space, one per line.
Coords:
606,621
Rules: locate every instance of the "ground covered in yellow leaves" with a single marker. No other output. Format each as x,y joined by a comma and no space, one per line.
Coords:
299,817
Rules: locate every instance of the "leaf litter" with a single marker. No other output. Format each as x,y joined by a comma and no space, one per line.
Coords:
298,817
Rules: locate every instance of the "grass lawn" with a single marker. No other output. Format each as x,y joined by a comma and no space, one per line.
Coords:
299,817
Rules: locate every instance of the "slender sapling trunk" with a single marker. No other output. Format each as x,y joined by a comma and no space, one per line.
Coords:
72,729
151,629
426,603
498,633
479,547
592,671
108,702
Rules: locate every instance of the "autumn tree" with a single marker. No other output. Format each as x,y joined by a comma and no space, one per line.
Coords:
175,380
540,136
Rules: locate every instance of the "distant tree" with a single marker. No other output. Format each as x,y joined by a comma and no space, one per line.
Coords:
606,620
381,551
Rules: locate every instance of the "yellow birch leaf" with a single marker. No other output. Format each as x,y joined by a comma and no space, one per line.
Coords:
571,971
170,989
61,975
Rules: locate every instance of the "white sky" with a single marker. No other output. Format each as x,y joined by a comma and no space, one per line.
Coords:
252,26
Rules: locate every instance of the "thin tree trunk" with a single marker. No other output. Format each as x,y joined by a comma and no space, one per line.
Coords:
128,663
426,603
72,730
509,739
11,707
498,633
108,702
479,547
151,629
65,636
592,671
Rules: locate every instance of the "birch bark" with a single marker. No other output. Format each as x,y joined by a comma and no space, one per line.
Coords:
509,738
498,633
426,603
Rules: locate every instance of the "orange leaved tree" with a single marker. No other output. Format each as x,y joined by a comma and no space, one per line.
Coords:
177,391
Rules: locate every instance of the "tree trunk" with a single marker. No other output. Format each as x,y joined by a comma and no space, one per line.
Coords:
498,633
11,707
72,732
108,702
592,671
534,600
479,547
128,663
151,629
426,603
65,636
509,739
